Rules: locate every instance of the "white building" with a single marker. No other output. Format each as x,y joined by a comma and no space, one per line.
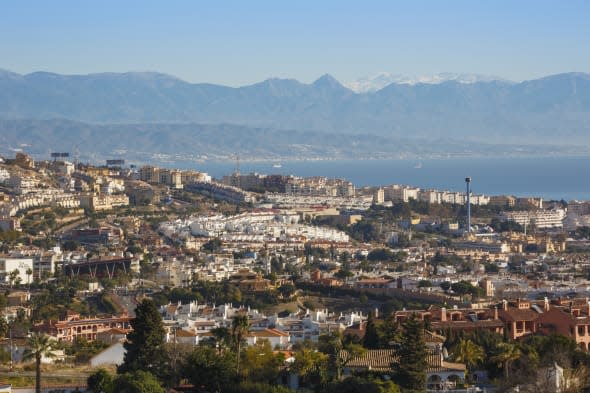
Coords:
540,218
113,355
21,265
4,175
276,338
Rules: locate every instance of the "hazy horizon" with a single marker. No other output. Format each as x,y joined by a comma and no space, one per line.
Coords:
237,44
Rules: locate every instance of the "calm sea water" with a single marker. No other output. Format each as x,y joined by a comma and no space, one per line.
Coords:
550,178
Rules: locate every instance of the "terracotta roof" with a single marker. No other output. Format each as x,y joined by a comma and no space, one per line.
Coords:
565,313
184,333
383,359
205,323
171,309
269,333
115,331
515,314
466,324
375,281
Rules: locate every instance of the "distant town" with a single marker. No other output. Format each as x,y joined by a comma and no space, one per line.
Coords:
263,281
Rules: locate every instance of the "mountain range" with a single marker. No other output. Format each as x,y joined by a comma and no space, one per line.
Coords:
554,110
191,142
383,79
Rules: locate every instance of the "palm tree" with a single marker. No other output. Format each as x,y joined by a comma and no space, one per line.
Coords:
468,352
29,273
39,345
239,328
508,353
309,363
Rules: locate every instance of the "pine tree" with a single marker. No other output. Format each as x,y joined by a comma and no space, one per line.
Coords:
411,368
371,338
145,344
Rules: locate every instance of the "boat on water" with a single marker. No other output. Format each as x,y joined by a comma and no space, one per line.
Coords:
418,165
277,165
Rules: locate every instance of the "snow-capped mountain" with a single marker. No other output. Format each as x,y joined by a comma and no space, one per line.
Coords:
379,81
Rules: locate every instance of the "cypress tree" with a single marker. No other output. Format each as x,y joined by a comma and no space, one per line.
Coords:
145,344
371,337
411,368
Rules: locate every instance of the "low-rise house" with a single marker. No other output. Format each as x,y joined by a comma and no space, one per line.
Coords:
183,337
519,318
440,374
112,336
18,298
277,338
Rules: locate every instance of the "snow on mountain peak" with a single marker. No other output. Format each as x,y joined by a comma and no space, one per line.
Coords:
379,81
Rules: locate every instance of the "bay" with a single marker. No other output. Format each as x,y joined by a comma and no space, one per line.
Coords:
552,178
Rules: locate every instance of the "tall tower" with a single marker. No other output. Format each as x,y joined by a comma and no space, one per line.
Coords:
468,183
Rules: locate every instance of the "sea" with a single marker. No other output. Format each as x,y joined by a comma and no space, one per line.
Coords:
552,178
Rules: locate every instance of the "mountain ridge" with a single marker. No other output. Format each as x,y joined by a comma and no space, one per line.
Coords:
192,142
554,109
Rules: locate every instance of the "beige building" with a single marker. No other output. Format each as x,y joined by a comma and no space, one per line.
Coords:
103,202
149,174
379,196
141,193
172,178
24,161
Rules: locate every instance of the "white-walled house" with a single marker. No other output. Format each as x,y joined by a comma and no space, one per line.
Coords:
276,338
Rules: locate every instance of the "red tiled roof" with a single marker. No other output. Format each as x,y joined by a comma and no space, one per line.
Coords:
383,359
269,333
515,314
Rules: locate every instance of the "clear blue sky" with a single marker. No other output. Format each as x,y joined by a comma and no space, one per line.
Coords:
242,42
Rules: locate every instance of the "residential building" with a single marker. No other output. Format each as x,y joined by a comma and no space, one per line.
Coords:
542,219
21,266
103,201
73,326
149,174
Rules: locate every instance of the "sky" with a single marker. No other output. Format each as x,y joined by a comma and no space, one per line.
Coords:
242,42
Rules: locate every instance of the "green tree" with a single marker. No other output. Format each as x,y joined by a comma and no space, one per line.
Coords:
343,274
258,387
260,364
222,338
390,332
29,274
145,344
364,385
12,276
310,365
339,354
137,381
208,370
371,338
70,245
424,284
38,346
411,367
466,351
4,327
509,353
239,330
100,381
212,245
287,290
